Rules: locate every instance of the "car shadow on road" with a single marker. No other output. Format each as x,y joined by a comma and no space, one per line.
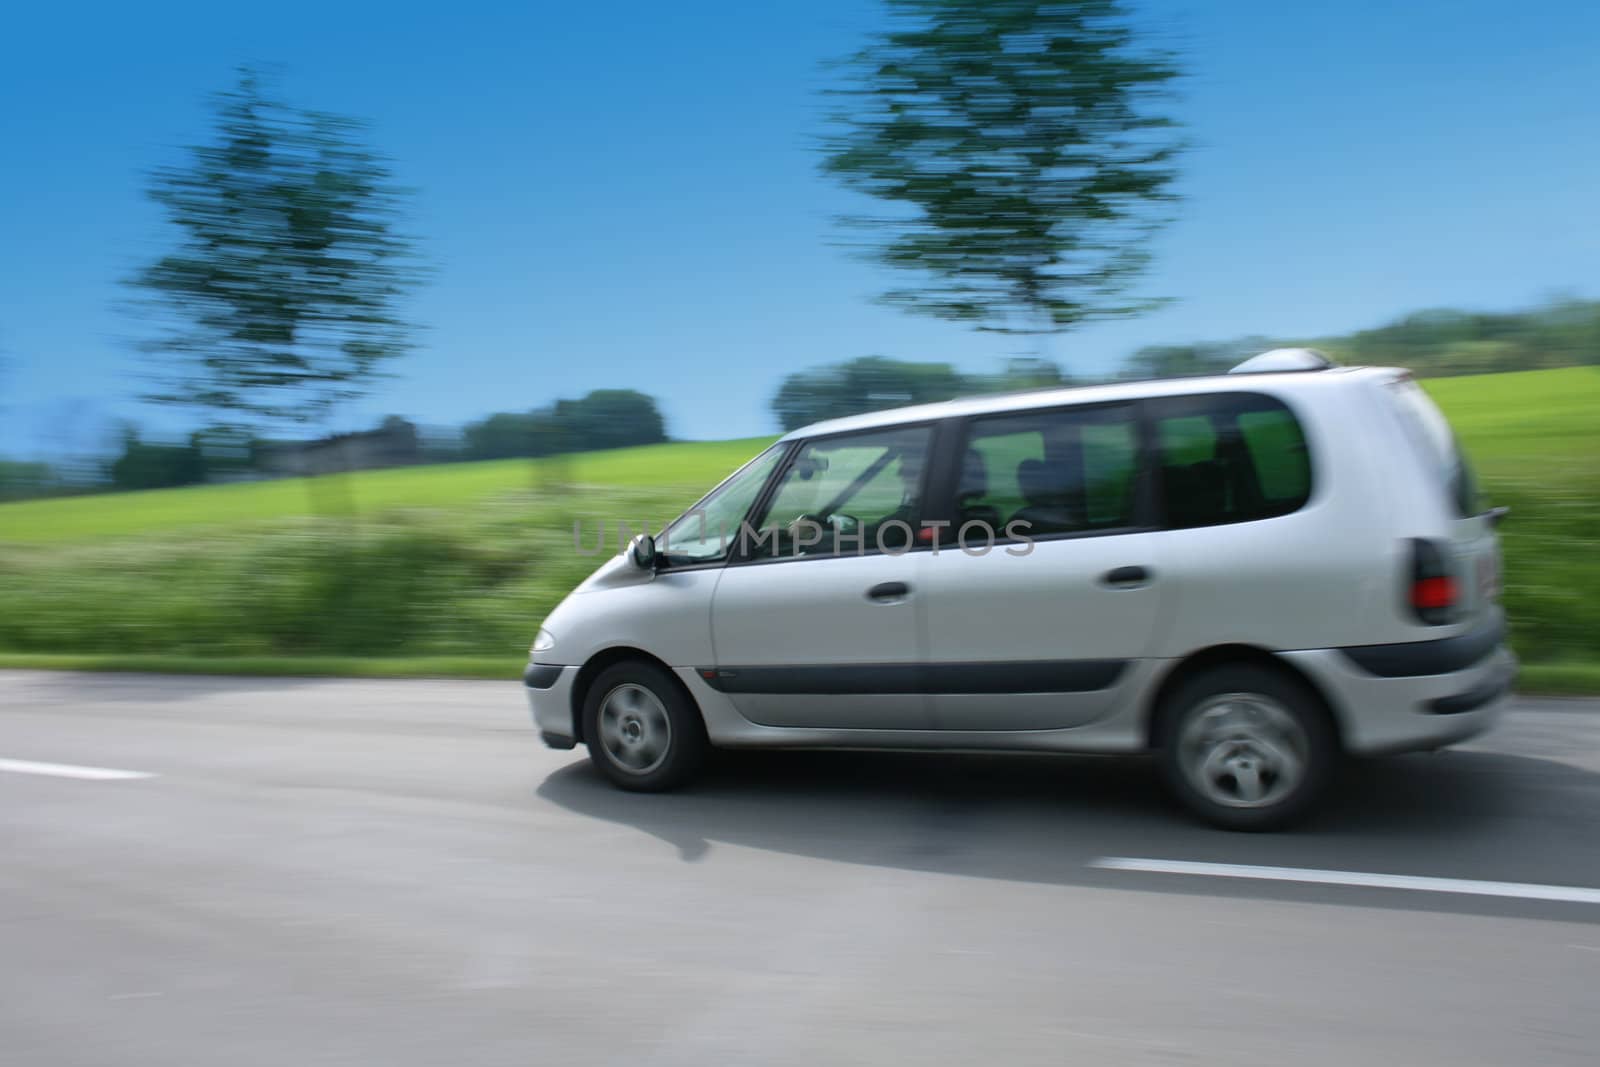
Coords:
1043,818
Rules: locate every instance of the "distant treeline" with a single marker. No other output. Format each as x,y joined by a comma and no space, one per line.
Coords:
1562,333
1434,343
605,418
873,383
20,480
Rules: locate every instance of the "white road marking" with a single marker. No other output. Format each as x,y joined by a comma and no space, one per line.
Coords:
67,770
1470,887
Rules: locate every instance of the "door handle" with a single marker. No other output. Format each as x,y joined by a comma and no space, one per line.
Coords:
1126,577
888,592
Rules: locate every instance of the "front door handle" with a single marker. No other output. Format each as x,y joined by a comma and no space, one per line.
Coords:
888,592
1126,577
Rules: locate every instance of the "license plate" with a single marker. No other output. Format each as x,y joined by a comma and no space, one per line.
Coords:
1488,578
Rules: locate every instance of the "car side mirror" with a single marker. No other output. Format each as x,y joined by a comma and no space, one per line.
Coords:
642,551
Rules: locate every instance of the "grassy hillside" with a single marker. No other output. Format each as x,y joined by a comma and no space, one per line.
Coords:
1514,422
688,466
457,563
1534,437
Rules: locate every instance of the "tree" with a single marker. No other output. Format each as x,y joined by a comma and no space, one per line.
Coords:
1193,360
871,383
143,465
281,298
1025,372
505,435
404,443
606,418
611,418
1027,141
1563,332
21,479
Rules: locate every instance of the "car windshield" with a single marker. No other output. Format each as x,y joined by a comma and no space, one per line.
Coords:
704,532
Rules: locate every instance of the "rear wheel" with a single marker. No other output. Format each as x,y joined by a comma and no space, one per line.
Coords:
1246,747
643,731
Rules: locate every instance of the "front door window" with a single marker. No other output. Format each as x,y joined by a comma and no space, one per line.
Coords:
852,494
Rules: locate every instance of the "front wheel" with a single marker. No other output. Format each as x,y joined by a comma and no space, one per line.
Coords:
643,731
1246,747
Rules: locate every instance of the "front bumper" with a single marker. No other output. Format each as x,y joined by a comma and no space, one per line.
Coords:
549,690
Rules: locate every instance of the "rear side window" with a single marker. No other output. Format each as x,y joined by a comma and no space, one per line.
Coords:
1229,457
1432,436
1065,471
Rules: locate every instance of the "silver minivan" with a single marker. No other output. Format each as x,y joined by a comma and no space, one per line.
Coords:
1247,575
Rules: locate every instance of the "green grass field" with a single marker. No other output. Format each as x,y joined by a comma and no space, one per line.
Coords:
1539,426
689,466
447,569
1534,438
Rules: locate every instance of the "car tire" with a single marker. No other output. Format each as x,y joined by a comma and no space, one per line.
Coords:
1246,747
643,731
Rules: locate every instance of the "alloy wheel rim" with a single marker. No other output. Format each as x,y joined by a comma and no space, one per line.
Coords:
634,729
1243,750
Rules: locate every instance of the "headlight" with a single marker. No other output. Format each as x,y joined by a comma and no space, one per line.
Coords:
543,641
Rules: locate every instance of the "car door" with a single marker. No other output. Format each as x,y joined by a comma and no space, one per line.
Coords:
1036,628
814,624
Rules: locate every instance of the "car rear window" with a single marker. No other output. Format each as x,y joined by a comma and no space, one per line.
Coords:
1430,433
1229,457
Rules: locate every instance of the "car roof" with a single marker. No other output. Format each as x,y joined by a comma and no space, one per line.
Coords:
1275,382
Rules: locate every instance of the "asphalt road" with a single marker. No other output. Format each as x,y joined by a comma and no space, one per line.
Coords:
351,872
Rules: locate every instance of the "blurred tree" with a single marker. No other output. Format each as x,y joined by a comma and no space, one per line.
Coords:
503,435
401,435
870,383
1187,361
1027,140
1563,332
143,465
281,297
610,418
21,479
606,418
1560,333
1029,372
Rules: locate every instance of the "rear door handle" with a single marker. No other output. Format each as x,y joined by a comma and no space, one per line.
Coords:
888,592
1126,577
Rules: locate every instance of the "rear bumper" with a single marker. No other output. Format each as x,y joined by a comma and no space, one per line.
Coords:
1397,712
549,691
1447,655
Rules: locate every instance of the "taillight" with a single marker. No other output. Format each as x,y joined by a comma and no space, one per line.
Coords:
1429,593
1434,593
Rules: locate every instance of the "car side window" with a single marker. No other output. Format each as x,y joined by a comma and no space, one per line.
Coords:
1229,457
1064,471
848,494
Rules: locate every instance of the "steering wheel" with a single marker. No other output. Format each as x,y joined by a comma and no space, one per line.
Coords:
815,528
845,524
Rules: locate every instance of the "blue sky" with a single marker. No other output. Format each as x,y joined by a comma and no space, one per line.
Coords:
627,194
